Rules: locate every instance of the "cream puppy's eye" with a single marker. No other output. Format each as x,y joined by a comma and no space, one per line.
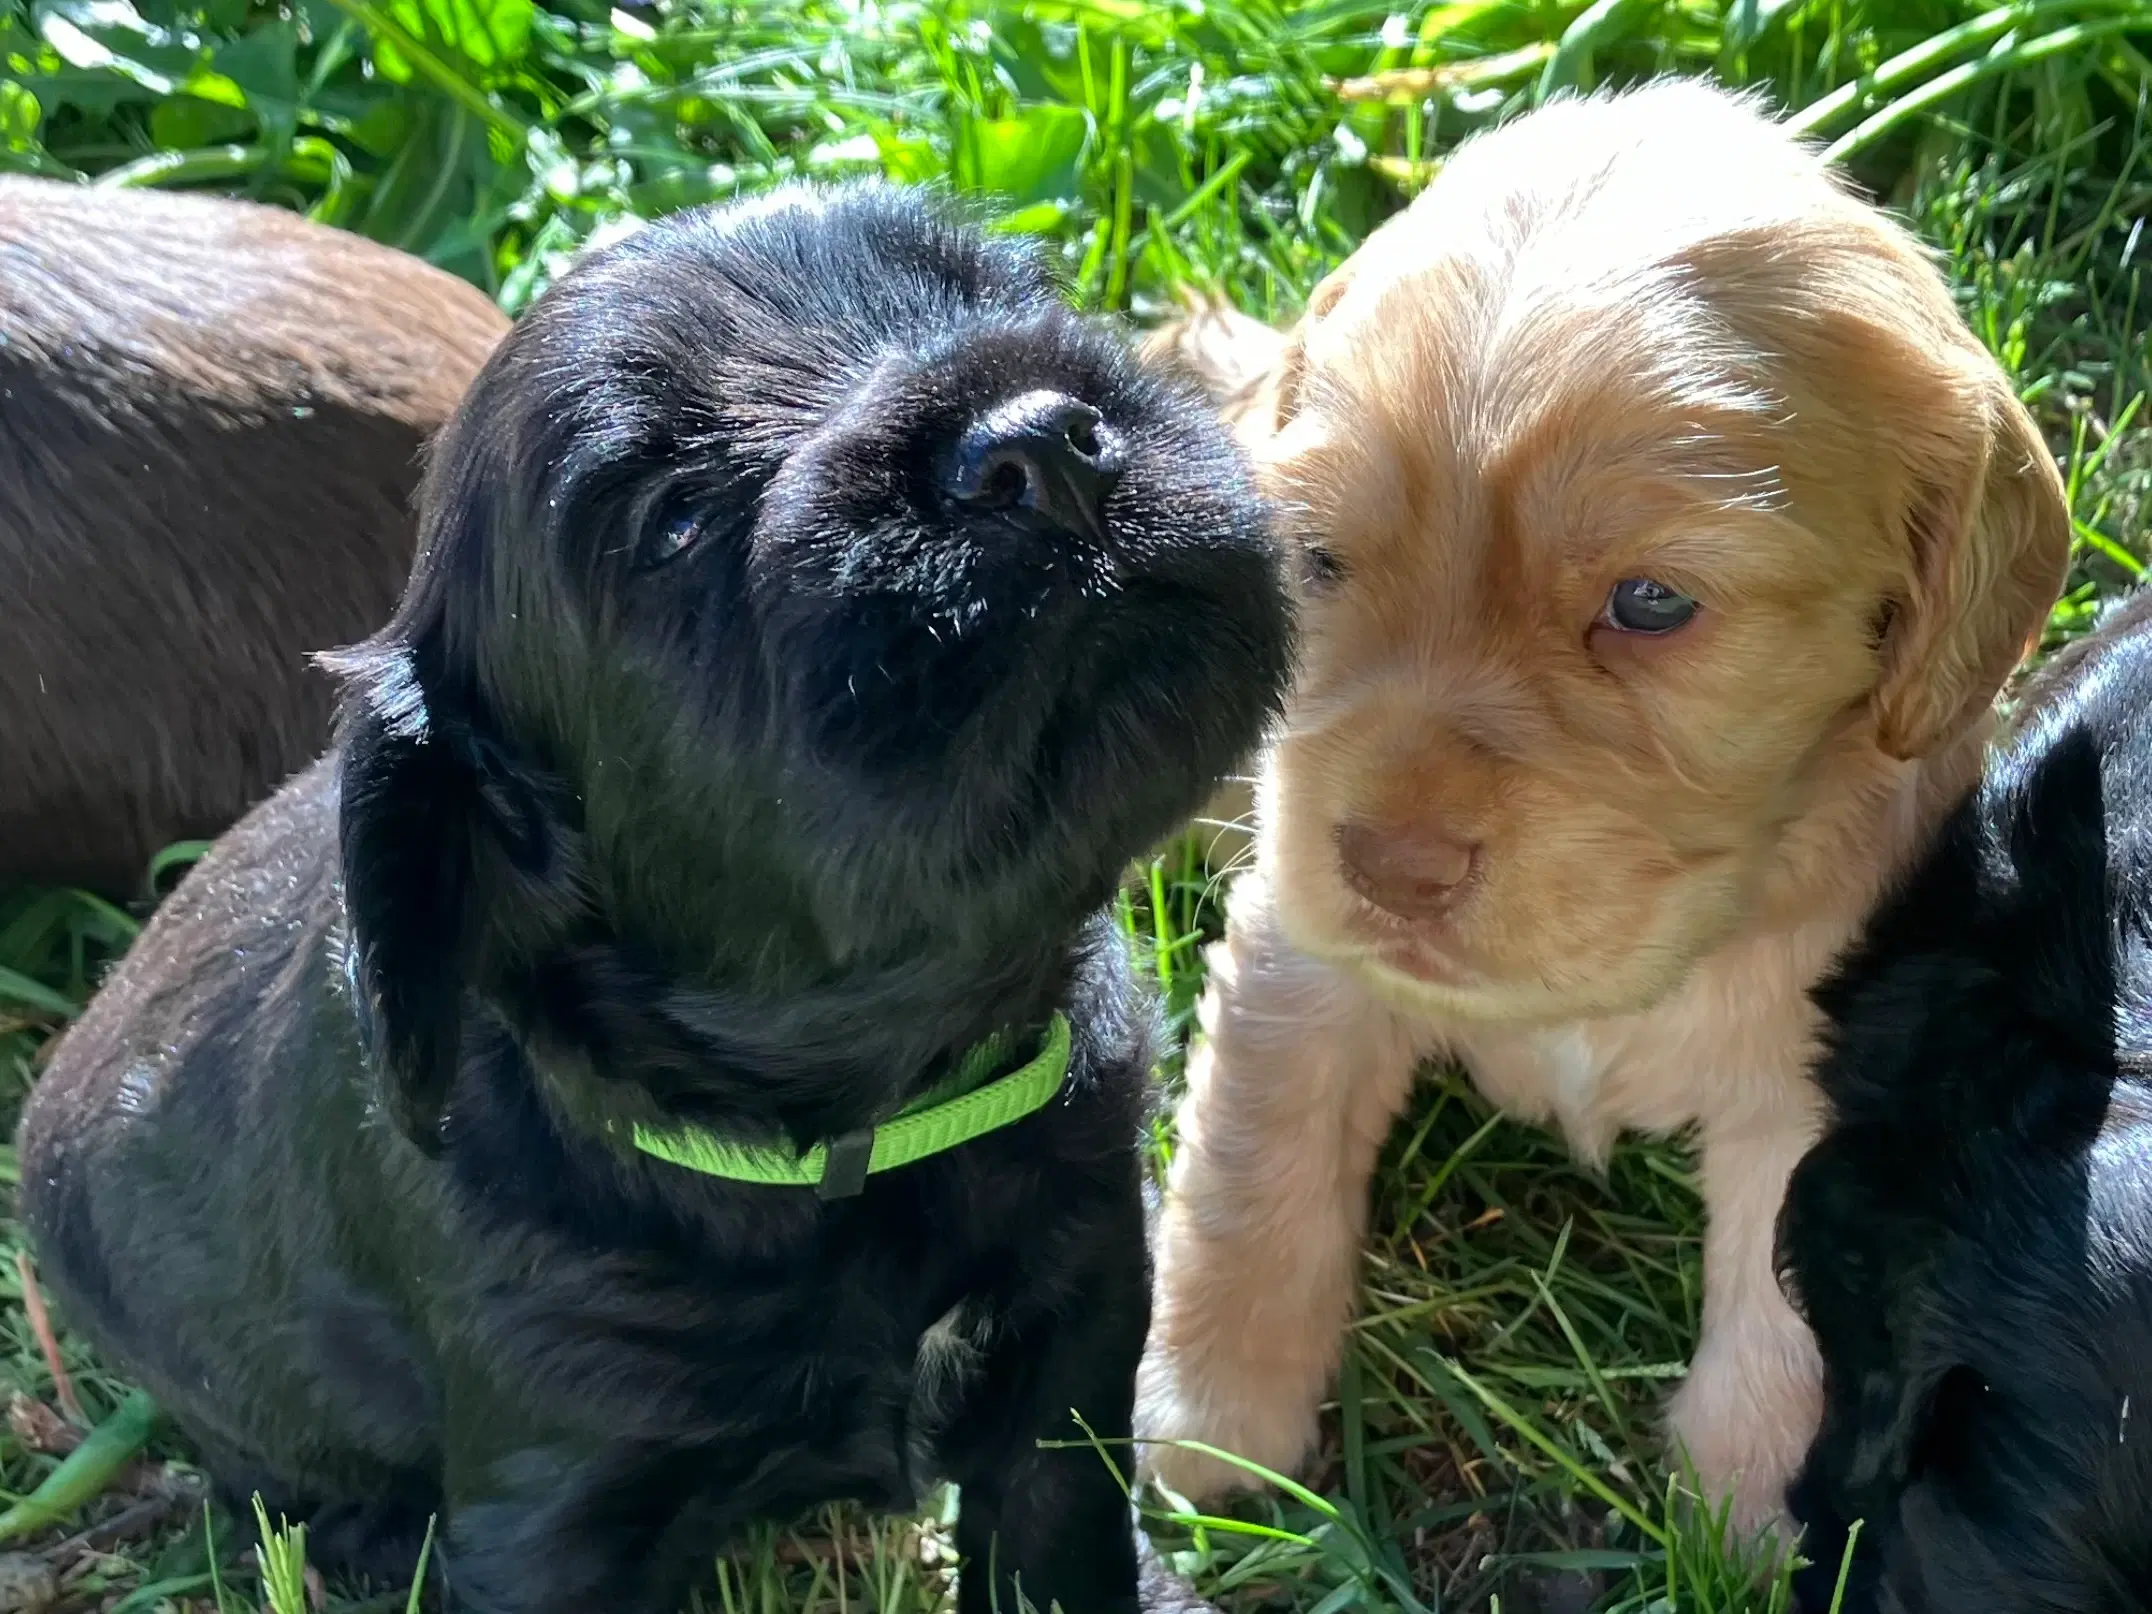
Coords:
1320,565
1644,605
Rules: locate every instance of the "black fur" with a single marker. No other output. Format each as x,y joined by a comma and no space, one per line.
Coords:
758,835
1972,1240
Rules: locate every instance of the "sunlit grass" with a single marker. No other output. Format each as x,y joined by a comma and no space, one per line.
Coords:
1495,1437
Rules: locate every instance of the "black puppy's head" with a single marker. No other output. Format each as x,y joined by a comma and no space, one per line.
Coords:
801,585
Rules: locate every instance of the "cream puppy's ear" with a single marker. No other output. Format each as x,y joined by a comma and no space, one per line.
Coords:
1215,346
1249,371
1280,401
1987,536
1228,356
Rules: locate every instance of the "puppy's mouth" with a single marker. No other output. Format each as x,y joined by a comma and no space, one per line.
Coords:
1427,965
1428,952
1477,963
1439,972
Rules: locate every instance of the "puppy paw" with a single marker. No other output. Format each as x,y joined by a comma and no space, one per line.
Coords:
1159,1590
1742,1465
1747,1411
1197,1476
1756,1516
1268,1424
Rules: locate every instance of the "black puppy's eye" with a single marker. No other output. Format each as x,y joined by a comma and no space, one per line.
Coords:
672,533
1645,605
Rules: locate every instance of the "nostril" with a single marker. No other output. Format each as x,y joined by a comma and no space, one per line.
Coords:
1415,874
1082,433
1000,481
1043,452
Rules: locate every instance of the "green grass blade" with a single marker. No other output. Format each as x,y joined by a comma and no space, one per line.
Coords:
83,1474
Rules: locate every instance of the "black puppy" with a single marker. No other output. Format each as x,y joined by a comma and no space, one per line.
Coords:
1972,1239
812,618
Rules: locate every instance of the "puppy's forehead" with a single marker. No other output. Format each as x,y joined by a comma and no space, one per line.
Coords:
747,324
817,269
1449,405
1605,288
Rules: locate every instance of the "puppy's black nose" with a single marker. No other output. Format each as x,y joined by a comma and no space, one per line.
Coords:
1043,452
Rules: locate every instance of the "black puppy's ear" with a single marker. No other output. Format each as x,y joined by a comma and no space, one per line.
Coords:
462,865
408,816
458,860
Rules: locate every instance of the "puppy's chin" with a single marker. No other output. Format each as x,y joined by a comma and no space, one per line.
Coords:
1110,724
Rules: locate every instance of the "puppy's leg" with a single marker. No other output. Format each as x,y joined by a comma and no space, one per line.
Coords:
371,1533
625,1528
1053,1523
1289,1097
1754,1393
544,1517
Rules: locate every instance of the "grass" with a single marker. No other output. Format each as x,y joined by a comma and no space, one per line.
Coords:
1494,1440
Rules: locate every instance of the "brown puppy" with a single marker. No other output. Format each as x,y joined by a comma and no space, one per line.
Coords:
1668,538
210,419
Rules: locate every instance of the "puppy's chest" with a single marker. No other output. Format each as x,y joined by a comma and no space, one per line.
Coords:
946,1367
1560,1074
1735,1040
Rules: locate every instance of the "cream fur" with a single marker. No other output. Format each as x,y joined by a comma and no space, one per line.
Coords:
1644,335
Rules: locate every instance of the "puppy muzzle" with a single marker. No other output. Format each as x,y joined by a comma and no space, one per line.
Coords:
1045,453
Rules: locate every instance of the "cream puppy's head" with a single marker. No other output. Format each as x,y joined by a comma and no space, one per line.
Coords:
1653,499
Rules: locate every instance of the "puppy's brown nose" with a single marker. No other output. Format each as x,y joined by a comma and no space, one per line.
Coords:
1044,452
1414,874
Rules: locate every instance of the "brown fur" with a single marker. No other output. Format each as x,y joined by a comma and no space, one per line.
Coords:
210,421
1631,336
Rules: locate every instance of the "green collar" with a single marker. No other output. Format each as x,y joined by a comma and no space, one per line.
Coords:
954,1111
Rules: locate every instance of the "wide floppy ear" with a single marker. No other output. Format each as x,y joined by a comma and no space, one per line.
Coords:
408,811
1987,532
459,859
460,862
1290,369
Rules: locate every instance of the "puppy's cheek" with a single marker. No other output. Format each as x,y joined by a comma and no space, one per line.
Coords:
1596,928
870,690
1595,904
1561,878
1304,787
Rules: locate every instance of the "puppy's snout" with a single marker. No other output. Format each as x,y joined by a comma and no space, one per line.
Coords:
1043,452
1415,874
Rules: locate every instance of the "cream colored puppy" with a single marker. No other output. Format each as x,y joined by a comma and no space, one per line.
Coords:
1668,538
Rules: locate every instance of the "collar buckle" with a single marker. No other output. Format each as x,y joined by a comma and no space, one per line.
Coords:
844,1164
